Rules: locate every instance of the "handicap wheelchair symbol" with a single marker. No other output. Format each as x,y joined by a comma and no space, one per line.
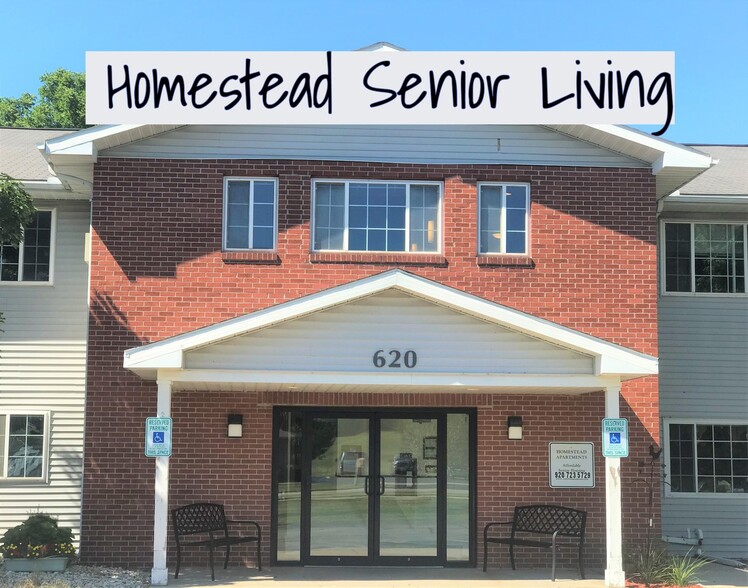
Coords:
158,436
615,438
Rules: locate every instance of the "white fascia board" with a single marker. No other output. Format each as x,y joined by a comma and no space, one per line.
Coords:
632,362
677,155
442,380
68,143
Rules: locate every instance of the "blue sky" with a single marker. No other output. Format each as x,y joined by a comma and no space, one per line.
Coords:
709,38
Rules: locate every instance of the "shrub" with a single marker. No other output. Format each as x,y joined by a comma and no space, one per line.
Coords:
39,536
681,571
647,563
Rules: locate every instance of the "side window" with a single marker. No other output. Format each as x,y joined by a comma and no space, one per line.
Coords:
705,258
31,260
503,211
23,444
708,458
250,213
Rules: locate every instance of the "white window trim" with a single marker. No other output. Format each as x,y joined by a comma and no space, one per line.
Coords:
347,182
252,179
663,266
20,411
666,422
52,249
503,186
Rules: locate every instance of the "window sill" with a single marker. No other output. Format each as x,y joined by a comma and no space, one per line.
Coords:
25,284
505,260
248,257
365,257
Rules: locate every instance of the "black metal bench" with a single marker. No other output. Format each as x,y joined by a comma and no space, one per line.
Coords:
208,522
540,519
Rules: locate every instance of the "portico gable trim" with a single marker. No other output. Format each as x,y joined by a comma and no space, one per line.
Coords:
610,359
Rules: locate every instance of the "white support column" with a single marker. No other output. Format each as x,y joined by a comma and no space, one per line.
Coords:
160,573
614,575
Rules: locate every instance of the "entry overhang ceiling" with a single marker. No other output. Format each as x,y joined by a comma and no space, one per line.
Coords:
609,360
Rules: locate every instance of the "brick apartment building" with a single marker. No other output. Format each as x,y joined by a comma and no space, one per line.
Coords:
374,303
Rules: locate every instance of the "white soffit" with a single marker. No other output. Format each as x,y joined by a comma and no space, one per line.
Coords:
609,359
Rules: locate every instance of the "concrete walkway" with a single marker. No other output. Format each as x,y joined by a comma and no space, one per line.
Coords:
712,576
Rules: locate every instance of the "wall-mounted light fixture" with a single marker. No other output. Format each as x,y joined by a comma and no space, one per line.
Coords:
514,428
234,425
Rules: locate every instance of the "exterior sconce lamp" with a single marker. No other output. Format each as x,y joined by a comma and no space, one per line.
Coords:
514,428
234,425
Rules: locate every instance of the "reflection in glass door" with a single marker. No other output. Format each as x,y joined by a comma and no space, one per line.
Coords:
374,487
339,501
408,468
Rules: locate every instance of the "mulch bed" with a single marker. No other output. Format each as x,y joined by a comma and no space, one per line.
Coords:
633,584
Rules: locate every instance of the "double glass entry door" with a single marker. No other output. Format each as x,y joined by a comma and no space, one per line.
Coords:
374,490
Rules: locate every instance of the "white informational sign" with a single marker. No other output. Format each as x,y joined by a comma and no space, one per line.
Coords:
157,437
615,438
571,465
382,88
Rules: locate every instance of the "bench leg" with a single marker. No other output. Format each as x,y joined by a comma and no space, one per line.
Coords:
511,555
259,552
212,571
226,559
553,561
179,561
581,566
485,554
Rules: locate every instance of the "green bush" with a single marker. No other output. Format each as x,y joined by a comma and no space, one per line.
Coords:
647,563
39,536
681,571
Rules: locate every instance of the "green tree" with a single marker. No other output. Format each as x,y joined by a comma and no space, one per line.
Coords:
61,103
16,210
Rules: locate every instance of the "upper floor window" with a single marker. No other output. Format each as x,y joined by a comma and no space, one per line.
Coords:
250,213
377,216
503,211
22,440
31,260
708,458
705,257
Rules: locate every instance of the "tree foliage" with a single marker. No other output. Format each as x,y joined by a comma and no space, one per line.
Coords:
16,210
61,103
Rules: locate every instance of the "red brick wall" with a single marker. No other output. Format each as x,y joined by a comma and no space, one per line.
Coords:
158,270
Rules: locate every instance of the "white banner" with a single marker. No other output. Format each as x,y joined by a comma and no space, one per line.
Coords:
365,87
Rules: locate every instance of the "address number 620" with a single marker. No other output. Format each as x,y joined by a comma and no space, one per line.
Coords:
395,358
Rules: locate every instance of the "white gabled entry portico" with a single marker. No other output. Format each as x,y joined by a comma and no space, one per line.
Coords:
326,341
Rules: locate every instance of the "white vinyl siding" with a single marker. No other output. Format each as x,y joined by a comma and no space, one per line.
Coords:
512,144
345,338
704,377
43,370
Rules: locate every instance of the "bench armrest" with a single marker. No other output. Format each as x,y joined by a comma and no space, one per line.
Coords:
489,525
257,526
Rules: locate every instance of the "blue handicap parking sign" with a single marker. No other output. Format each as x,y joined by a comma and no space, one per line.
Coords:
615,438
158,436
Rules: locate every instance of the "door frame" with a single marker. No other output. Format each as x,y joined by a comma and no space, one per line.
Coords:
375,414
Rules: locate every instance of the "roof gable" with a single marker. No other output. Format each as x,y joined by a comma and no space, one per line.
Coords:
608,358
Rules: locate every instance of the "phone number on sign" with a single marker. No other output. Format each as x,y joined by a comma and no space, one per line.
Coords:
573,475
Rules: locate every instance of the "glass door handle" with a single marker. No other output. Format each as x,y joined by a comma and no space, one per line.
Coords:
382,485
366,486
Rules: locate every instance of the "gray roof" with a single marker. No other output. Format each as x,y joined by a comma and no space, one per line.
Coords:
19,157
728,177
